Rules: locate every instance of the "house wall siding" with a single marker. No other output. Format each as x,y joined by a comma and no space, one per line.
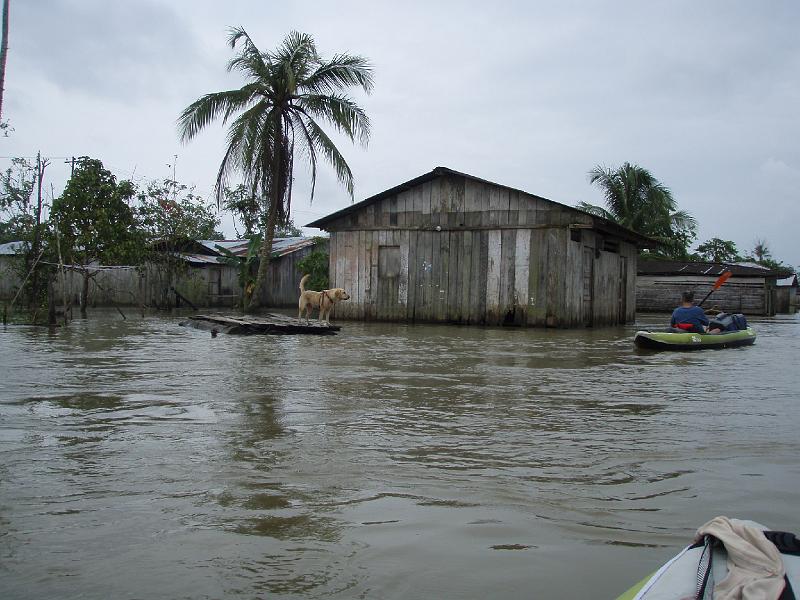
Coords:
204,286
748,295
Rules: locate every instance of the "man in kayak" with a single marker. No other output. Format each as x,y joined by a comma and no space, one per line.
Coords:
688,317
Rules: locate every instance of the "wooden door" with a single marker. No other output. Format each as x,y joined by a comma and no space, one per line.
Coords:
214,284
388,299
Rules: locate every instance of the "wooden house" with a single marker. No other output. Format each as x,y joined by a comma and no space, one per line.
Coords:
450,247
10,260
210,279
750,290
786,294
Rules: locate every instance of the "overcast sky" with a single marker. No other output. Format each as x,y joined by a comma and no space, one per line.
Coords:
531,95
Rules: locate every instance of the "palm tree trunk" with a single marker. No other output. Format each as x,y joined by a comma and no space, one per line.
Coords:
264,255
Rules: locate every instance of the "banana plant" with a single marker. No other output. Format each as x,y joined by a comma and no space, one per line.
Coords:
247,265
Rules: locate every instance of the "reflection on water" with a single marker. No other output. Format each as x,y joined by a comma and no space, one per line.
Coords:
390,461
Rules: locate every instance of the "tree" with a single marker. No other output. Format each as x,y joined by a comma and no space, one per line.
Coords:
245,208
17,207
289,91
288,230
248,211
171,212
637,200
719,251
94,222
763,256
761,251
169,215
21,221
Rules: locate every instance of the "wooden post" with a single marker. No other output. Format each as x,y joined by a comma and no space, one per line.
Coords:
41,165
84,291
51,303
3,54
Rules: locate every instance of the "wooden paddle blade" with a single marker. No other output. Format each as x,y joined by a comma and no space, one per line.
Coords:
722,279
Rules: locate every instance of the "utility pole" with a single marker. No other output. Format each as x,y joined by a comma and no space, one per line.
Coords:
71,162
3,54
41,165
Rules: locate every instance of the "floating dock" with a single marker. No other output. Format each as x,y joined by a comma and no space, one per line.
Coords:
269,324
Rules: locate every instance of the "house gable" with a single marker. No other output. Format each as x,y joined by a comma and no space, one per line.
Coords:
450,200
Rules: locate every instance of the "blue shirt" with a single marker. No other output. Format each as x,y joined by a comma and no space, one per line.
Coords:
694,315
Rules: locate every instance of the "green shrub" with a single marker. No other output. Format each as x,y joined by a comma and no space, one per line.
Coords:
315,264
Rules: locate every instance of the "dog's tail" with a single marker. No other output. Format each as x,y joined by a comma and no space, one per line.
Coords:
303,284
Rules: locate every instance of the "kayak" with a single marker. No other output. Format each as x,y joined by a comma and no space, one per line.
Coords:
698,568
664,340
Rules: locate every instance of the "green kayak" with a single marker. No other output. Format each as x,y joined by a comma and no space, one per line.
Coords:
662,340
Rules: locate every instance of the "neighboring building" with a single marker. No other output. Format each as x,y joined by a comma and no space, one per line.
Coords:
750,290
212,281
283,283
786,295
207,281
9,278
450,247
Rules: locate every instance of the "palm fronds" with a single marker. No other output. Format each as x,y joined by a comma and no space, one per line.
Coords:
637,200
288,94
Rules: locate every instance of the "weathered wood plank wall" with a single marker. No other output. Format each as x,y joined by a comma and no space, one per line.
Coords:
283,285
786,299
472,252
206,286
662,293
9,278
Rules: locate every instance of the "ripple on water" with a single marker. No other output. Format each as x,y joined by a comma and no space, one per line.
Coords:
487,462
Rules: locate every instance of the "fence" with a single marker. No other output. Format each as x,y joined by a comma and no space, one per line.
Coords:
155,285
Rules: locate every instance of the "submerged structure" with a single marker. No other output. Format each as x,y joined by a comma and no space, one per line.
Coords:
451,247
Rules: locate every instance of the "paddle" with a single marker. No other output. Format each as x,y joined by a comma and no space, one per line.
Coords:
717,284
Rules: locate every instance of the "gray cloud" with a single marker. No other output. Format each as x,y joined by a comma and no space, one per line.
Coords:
704,95
120,50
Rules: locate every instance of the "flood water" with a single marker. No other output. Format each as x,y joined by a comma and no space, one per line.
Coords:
140,459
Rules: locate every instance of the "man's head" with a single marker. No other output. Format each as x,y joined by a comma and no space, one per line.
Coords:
687,297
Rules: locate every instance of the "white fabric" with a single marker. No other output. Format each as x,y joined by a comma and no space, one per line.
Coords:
755,567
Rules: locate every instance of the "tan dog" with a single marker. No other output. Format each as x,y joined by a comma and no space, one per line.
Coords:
324,300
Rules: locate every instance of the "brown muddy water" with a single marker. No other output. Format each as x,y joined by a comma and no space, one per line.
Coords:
140,459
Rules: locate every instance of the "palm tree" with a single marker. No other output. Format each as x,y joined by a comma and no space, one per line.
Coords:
637,200
289,91
761,251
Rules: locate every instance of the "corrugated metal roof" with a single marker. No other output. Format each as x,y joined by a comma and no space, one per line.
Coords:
11,248
671,267
752,265
235,246
787,281
284,246
280,246
201,259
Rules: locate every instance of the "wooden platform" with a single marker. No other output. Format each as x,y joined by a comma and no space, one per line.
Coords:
269,324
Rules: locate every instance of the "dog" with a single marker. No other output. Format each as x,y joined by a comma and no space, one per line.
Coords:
324,301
